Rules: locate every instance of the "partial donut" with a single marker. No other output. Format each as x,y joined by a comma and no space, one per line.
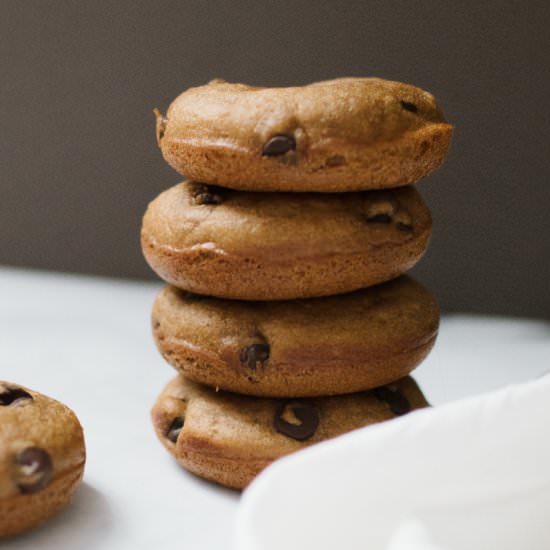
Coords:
42,456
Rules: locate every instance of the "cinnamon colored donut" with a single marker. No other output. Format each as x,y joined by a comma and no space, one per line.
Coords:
279,246
319,346
347,134
230,438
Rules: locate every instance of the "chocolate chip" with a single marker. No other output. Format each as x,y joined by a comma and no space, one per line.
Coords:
391,395
175,429
208,194
254,355
380,218
409,107
405,227
11,396
278,145
307,414
380,207
35,470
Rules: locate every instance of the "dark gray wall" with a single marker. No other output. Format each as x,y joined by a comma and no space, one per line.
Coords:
79,161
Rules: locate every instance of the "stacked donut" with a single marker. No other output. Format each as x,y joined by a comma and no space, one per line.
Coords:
286,313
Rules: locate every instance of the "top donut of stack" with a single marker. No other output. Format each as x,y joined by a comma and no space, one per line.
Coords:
347,134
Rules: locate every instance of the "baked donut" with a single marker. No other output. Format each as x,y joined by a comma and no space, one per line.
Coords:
321,346
42,457
347,134
230,438
279,246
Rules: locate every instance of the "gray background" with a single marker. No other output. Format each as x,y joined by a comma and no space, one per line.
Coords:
79,161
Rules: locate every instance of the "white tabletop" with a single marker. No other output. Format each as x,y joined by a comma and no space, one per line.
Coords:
87,342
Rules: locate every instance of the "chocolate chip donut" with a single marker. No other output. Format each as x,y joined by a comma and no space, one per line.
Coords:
278,246
347,134
42,457
320,346
230,438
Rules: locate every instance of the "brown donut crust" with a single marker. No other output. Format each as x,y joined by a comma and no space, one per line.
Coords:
229,438
258,246
43,424
321,346
23,512
351,134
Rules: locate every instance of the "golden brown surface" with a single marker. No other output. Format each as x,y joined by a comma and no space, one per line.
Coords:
275,246
230,438
36,422
320,346
22,512
350,134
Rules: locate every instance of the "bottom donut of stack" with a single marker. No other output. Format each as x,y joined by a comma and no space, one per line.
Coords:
230,438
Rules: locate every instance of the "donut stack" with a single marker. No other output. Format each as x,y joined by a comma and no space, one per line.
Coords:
287,314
